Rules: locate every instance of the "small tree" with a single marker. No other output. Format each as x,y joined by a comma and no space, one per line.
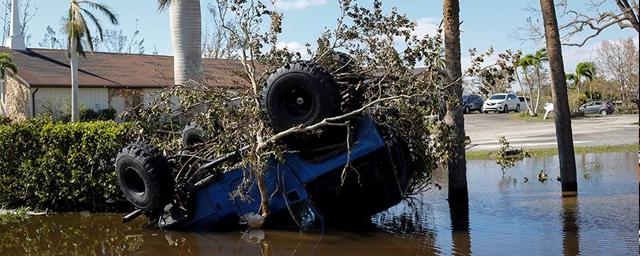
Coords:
526,63
586,71
618,61
494,77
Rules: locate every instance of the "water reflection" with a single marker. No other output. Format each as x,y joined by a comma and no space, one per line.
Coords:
503,216
570,228
461,239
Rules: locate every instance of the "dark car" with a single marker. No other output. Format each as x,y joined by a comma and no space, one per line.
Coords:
472,103
598,107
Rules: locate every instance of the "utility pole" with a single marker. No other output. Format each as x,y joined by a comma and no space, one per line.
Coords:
564,133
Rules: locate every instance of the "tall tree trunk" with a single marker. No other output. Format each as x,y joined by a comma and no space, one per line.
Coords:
75,108
186,32
535,109
528,81
560,100
457,162
524,93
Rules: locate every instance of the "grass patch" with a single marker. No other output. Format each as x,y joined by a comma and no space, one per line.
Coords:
544,152
13,216
524,116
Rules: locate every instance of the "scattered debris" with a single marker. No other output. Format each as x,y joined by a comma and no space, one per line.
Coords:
542,176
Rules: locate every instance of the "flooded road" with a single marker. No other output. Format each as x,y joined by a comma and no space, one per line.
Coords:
508,214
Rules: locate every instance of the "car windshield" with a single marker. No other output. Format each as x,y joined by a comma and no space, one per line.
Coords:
498,97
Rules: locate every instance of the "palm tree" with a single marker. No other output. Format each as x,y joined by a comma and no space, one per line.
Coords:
524,63
186,32
6,63
574,80
77,29
534,60
538,59
586,70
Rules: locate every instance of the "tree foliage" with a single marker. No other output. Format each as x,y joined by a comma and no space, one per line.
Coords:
618,61
400,99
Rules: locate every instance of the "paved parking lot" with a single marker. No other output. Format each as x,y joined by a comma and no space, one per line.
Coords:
484,129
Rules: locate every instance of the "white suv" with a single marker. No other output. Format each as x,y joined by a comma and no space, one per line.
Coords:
502,102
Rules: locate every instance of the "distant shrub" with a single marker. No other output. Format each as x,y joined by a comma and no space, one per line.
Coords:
4,120
627,108
60,166
107,114
87,114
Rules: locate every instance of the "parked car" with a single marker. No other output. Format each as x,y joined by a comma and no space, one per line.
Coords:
598,107
472,103
502,102
523,103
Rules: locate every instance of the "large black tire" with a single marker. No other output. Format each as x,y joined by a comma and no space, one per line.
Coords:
299,93
144,177
192,134
351,82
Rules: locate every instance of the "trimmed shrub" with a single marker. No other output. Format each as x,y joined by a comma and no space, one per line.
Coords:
61,166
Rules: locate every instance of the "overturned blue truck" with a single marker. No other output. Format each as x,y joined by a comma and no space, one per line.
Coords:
309,188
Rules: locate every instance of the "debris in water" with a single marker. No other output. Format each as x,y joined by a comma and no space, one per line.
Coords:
542,176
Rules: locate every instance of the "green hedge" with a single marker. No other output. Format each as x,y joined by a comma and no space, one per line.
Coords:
61,166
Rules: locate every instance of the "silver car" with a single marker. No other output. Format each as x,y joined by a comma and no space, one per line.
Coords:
598,107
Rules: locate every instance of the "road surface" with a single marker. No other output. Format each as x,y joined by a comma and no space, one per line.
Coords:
484,130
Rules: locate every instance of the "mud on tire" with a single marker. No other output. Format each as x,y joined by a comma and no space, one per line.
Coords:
144,177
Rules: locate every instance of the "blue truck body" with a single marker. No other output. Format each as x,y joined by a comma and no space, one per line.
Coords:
286,181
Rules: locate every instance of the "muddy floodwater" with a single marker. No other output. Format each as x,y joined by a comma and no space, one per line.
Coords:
508,214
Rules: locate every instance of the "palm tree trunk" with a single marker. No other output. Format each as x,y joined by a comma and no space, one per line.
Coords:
524,93
186,35
75,108
535,109
559,93
458,192
528,81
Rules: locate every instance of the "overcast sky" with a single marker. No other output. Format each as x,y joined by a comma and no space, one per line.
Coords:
485,23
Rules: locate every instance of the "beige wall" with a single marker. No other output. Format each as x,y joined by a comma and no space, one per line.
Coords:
57,101
17,96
